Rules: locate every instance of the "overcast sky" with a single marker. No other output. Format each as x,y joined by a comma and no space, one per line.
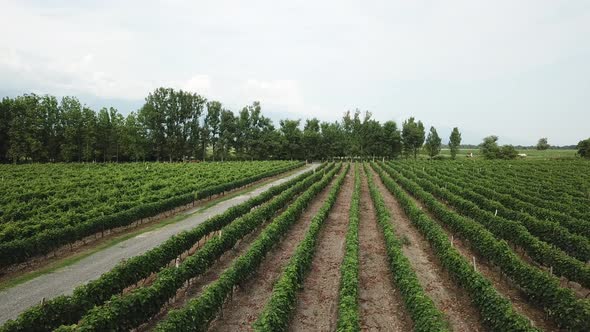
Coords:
517,69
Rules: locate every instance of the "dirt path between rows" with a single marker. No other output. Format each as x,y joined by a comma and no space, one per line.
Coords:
249,300
447,295
381,305
317,303
502,284
63,281
197,287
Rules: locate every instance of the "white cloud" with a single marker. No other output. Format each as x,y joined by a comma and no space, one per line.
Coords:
200,84
463,62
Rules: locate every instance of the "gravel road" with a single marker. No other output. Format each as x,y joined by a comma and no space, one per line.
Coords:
15,300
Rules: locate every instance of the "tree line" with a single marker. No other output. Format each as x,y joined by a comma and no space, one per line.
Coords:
175,125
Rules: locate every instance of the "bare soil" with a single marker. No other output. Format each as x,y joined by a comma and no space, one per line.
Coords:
317,303
381,305
501,283
447,295
248,301
197,286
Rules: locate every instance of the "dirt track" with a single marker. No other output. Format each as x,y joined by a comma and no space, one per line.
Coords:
317,303
63,281
249,300
446,294
381,305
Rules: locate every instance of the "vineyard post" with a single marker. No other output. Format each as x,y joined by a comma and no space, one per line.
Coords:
474,265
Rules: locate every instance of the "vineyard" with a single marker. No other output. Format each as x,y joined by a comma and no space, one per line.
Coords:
423,245
43,207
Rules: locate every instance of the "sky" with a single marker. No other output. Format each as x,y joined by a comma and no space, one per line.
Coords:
516,69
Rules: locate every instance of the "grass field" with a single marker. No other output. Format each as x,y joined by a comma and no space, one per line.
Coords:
531,153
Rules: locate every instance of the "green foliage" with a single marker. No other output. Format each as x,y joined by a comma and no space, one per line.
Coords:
69,309
490,150
432,143
392,140
425,315
197,314
454,142
496,312
348,310
584,148
487,196
489,147
277,311
43,209
542,144
508,152
561,304
412,136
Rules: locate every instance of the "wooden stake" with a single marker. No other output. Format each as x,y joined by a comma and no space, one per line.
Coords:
495,214
474,265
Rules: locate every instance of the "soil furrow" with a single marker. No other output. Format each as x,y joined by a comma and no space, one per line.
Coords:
317,303
447,295
494,274
247,303
381,305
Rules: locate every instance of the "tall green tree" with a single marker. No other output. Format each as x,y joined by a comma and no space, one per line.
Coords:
104,135
454,142
489,148
412,137
542,144
584,148
227,134
135,138
89,128
210,133
332,140
73,141
372,137
311,139
5,121
26,130
52,136
291,140
392,140
352,129
432,143
117,147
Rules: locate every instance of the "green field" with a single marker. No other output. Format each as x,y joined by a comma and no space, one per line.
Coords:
45,206
531,153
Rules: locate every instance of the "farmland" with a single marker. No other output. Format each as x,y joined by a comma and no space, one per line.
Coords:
46,206
466,245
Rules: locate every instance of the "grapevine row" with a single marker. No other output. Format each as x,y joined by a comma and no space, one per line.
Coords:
197,314
348,306
575,245
277,311
20,250
125,312
69,309
561,304
511,231
497,312
425,315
